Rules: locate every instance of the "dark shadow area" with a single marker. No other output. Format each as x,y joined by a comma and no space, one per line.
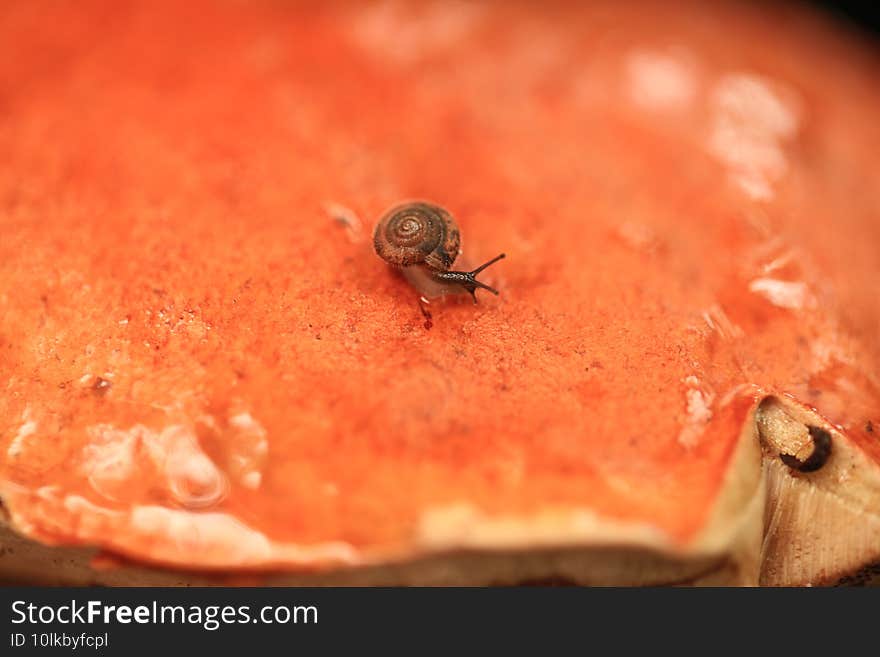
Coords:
861,14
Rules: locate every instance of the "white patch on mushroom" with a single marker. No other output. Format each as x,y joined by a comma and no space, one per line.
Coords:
717,320
109,460
752,119
220,538
249,449
193,479
698,408
172,459
793,295
406,32
27,429
659,81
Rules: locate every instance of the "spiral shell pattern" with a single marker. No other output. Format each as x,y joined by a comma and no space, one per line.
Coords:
417,233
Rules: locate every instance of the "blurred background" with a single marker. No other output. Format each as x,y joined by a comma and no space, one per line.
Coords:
866,15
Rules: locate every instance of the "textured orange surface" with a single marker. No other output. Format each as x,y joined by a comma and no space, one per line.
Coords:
186,324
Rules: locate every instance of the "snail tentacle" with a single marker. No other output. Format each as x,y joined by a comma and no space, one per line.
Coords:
468,280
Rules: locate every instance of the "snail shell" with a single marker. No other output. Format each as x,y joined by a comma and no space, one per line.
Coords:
418,233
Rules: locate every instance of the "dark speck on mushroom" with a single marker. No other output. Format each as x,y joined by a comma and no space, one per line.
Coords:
101,386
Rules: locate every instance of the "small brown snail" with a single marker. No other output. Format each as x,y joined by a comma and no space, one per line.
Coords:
423,241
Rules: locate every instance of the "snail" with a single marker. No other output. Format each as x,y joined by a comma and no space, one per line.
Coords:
423,240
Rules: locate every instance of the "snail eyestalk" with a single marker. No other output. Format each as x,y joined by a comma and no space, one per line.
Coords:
468,279
486,264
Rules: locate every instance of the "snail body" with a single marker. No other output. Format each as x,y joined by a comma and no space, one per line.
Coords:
423,240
